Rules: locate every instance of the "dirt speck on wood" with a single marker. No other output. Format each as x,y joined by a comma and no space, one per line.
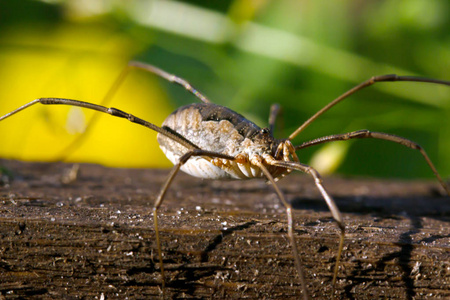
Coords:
94,238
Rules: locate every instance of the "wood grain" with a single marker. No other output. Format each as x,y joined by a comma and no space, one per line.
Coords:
94,238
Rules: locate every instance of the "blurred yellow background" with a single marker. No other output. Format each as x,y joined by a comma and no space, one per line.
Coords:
242,54
76,62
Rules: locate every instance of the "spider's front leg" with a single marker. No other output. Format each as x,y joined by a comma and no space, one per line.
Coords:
295,165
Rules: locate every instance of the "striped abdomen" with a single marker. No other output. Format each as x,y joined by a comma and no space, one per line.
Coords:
218,129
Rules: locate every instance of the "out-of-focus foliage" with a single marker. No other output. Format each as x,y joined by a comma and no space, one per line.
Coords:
242,54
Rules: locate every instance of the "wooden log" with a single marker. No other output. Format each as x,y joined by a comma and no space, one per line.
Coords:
93,237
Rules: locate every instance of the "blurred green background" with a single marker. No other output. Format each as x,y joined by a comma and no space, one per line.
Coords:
245,55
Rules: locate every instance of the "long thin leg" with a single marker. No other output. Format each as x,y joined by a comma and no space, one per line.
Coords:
165,187
328,199
169,77
298,263
363,134
108,110
367,83
274,112
115,87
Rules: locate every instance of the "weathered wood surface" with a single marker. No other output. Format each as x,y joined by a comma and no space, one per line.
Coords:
94,238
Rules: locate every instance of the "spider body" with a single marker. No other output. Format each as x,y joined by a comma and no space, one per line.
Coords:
218,129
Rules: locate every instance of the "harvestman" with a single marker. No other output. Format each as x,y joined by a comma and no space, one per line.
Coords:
211,141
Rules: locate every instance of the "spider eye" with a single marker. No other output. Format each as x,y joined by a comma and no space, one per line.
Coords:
265,130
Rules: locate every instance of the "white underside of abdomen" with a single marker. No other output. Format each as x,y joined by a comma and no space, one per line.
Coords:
203,167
